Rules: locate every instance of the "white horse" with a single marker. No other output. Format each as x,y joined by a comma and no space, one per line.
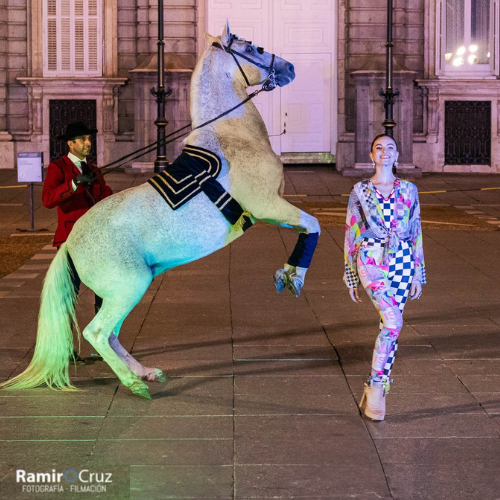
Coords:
126,240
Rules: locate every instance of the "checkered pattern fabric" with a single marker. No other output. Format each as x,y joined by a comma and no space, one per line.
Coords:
372,242
350,277
365,189
390,360
401,271
387,206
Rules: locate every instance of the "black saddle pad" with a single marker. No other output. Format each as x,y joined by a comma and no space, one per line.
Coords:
193,172
180,181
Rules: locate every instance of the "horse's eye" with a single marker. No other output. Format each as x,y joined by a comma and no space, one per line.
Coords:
260,50
249,49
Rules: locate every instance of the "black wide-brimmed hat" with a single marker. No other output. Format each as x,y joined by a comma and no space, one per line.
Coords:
76,129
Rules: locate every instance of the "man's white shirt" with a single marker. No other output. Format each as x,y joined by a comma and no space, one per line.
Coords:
77,163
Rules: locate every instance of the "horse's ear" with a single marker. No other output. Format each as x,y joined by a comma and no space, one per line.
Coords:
210,39
226,34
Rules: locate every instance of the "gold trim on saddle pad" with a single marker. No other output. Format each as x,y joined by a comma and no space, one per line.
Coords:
193,172
181,180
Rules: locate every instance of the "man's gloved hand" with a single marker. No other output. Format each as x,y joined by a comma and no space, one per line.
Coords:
84,178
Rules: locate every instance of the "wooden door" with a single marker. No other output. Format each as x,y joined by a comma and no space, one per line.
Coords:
304,33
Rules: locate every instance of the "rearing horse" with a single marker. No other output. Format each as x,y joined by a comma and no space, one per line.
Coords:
126,240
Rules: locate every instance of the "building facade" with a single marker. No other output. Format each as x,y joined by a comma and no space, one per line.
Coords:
95,60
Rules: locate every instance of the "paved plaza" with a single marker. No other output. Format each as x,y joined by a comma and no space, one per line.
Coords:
261,400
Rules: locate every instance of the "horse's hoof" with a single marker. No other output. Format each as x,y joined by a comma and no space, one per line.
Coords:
280,280
295,286
157,376
140,389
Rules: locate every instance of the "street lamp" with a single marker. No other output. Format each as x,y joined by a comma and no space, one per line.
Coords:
161,95
389,94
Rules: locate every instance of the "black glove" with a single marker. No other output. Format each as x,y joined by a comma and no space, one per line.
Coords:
85,178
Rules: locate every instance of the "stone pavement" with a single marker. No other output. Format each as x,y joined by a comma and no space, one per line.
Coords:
262,395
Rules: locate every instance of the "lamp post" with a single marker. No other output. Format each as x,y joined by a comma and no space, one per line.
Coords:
161,95
389,94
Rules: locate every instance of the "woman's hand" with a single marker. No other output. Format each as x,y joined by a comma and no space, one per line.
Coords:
415,290
353,292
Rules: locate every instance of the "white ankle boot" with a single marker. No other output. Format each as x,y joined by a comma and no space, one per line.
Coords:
373,401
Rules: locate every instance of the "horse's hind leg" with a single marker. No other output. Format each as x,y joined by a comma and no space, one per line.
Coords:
98,332
151,374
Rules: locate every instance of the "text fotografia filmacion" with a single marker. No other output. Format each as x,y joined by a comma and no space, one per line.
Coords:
76,481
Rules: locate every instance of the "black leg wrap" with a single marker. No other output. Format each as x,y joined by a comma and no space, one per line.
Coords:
304,249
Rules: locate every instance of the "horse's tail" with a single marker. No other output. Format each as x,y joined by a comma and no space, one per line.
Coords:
54,343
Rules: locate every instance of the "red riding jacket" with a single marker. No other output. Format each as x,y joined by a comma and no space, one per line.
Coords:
71,205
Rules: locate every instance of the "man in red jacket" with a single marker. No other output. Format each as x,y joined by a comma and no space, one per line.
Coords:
74,186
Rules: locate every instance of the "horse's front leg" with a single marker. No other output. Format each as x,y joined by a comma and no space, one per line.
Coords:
293,273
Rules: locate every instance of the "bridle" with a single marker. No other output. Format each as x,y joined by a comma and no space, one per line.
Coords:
269,83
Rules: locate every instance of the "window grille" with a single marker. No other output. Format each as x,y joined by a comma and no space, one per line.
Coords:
64,111
467,132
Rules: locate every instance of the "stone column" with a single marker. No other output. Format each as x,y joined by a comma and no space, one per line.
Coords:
3,67
370,115
37,109
432,89
108,110
498,119
6,145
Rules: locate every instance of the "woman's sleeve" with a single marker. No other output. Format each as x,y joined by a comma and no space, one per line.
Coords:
352,232
416,241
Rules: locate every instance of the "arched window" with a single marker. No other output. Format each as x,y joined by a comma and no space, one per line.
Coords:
72,38
467,38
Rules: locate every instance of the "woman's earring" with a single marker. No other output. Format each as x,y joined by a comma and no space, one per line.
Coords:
373,164
396,164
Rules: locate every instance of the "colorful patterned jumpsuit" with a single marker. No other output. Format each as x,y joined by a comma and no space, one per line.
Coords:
386,277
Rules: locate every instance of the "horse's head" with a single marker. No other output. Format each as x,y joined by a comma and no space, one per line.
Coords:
255,64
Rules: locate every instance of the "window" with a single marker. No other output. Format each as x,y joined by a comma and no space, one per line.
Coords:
467,38
72,38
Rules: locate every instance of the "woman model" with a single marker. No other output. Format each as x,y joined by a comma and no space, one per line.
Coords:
383,250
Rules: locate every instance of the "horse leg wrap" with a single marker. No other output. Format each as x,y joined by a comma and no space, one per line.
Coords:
292,275
304,249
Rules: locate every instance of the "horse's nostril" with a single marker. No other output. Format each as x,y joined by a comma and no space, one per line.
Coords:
290,67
